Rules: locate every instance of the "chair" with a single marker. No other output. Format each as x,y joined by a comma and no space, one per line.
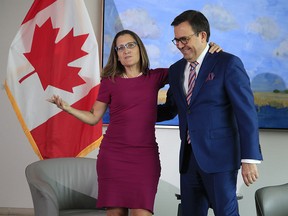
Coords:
272,200
64,186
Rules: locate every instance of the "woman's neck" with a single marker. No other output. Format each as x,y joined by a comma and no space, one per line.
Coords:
132,72
127,75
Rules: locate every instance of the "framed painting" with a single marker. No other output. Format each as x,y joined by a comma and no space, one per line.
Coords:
258,35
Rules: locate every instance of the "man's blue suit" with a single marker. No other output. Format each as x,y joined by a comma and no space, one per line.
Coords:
221,117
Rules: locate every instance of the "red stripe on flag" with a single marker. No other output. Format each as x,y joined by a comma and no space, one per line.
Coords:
65,136
37,6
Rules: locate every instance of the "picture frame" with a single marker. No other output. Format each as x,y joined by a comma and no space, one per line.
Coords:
258,35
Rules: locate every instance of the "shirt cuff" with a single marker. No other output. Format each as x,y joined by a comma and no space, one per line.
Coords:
250,161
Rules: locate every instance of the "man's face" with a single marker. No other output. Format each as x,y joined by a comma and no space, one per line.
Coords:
190,43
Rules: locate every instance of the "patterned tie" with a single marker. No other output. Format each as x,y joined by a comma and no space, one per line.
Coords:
191,81
191,84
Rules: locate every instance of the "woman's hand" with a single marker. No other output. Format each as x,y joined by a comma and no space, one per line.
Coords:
55,99
214,48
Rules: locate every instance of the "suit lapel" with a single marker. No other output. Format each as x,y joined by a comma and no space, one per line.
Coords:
206,67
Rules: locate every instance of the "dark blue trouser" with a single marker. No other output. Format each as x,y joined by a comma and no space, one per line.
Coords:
200,190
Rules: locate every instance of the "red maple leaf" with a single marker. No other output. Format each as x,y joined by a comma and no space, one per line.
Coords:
51,59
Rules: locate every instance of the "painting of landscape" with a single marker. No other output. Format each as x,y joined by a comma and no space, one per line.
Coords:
257,34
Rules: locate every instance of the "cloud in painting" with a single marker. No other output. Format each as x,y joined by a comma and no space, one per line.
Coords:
266,27
154,54
173,49
139,21
153,51
219,18
282,49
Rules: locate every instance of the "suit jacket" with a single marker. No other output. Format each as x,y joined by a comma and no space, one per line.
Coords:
221,116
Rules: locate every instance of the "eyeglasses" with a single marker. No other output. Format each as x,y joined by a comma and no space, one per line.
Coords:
183,40
129,45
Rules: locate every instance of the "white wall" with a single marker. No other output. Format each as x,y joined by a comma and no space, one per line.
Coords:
16,152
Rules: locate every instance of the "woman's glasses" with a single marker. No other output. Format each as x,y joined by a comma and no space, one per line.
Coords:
129,45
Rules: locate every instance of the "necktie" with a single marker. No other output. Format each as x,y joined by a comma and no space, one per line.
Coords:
191,80
191,84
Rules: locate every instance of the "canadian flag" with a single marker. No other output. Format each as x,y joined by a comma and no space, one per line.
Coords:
55,52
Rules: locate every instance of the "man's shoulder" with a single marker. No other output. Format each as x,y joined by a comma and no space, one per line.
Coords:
223,54
223,57
179,62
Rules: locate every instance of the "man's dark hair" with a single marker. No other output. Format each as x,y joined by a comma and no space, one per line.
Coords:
196,19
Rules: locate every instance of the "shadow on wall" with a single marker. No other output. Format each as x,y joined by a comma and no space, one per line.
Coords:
166,203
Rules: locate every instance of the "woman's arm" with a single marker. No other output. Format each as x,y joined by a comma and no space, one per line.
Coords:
87,117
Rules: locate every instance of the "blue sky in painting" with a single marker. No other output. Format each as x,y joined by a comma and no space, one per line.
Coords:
255,30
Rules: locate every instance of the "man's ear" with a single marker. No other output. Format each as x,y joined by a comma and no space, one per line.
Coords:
203,36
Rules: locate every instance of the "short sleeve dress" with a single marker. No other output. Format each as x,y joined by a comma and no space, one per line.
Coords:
128,164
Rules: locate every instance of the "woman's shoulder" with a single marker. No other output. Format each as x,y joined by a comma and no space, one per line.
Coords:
107,80
158,70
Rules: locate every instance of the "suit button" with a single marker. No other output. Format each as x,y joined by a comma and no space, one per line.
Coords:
188,111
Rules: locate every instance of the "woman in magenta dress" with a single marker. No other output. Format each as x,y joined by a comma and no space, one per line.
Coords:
128,164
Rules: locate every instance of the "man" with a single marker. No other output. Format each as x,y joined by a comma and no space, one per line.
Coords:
217,120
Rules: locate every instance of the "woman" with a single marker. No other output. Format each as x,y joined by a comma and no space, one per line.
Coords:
128,164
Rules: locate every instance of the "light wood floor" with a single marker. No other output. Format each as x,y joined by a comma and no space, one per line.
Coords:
16,211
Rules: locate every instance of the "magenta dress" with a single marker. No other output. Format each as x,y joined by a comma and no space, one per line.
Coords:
128,164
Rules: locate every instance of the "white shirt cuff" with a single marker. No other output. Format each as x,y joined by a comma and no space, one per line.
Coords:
250,161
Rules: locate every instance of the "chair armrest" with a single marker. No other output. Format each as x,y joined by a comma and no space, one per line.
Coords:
44,198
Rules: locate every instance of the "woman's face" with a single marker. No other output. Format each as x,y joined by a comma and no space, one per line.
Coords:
128,51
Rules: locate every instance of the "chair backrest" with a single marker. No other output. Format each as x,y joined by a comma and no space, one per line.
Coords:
71,183
272,200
